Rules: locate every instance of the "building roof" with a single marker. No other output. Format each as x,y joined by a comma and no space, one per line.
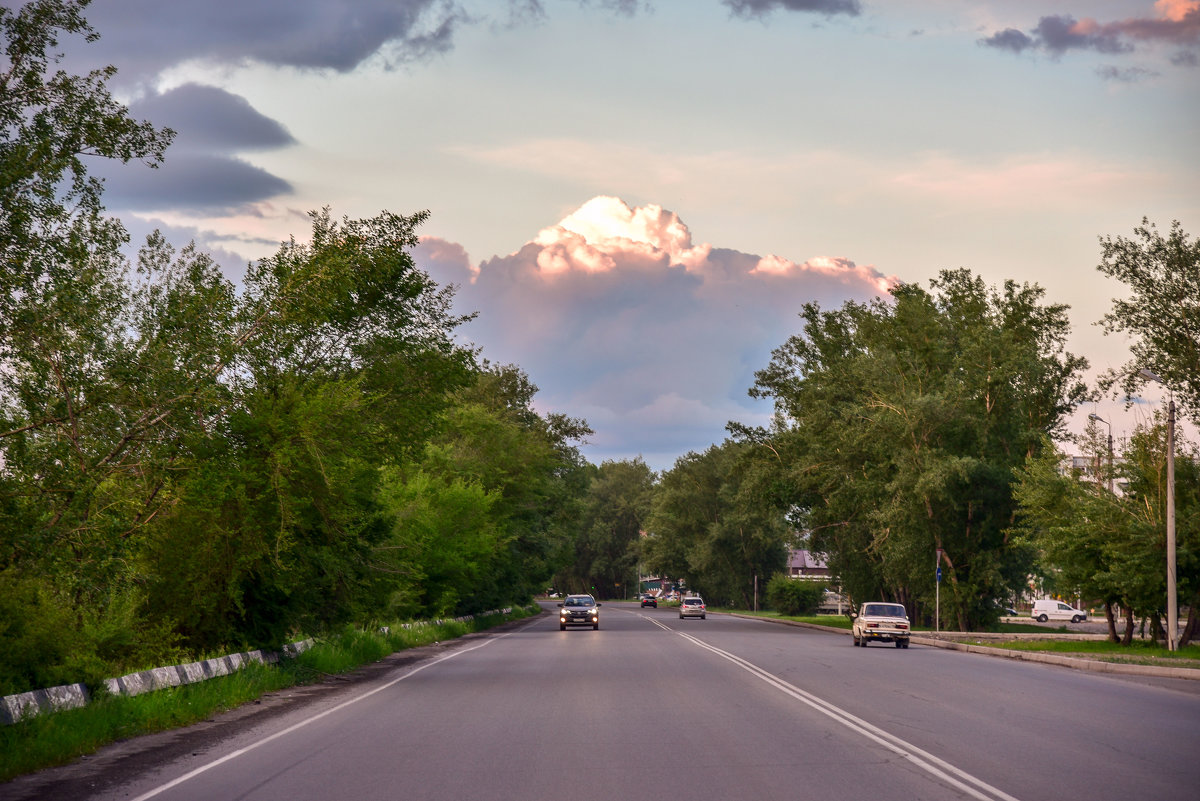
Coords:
806,560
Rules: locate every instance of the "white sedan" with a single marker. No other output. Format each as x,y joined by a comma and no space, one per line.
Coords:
881,621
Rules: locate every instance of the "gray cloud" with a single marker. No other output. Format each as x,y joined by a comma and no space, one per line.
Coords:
208,118
198,182
146,36
760,8
1057,35
202,171
1125,75
1060,34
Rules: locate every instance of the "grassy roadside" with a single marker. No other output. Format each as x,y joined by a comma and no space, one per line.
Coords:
56,739
1139,652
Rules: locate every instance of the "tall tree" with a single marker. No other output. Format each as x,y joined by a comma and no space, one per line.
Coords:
1161,316
494,438
900,423
710,526
613,518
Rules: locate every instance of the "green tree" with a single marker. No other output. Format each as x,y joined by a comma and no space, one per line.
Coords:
492,437
282,524
613,517
1112,547
709,526
1161,315
898,428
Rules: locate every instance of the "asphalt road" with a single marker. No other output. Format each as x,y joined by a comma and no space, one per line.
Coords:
651,706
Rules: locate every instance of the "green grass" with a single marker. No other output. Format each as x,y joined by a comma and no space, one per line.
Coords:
55,739
1141,652
833,621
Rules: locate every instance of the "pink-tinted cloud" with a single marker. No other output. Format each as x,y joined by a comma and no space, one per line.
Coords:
621,318
1175,23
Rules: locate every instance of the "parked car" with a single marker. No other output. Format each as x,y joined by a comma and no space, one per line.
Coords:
649,600
691,606
579,610
1049,609
881,621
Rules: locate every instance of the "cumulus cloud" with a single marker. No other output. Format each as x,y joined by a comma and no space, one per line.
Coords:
621,318
1176,24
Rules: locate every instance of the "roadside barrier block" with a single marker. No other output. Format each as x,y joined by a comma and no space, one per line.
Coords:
52,699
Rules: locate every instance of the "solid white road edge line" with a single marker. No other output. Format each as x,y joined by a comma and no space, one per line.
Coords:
235,754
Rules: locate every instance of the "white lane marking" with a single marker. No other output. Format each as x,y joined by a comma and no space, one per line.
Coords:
920,758
235,754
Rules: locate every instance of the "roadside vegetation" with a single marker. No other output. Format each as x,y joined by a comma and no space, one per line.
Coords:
1138,652
192,466
55,739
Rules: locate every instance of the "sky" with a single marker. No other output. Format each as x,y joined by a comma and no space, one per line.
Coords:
638,196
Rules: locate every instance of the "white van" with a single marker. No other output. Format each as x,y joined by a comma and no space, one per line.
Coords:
1048,609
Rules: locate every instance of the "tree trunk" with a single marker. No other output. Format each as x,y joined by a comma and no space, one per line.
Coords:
1112,622
1127,638
1189,628
1156,629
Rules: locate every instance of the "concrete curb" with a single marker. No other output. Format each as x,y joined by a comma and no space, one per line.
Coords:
1093,665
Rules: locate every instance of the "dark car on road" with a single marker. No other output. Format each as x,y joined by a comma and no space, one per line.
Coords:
649,600
579,610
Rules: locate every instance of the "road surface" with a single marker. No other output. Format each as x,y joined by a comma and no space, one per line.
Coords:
651,706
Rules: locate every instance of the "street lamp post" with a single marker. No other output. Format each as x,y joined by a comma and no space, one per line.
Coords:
1099,419
1172,599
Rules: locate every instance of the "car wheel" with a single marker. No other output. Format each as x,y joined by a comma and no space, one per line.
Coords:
562,628
906,644
596,627
863,642
702,617
1042,618
899,644
1076,619
855,639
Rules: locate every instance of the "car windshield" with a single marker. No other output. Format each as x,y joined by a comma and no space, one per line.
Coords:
692,601
581,601
884,610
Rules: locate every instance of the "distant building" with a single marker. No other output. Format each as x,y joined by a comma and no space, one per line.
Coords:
802,563
1089,468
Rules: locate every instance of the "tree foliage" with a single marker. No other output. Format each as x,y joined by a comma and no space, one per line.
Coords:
899,424
790,596
607,548
190,465
1110,546
1161,315
711,526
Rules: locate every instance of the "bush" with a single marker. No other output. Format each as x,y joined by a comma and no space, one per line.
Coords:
790,596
